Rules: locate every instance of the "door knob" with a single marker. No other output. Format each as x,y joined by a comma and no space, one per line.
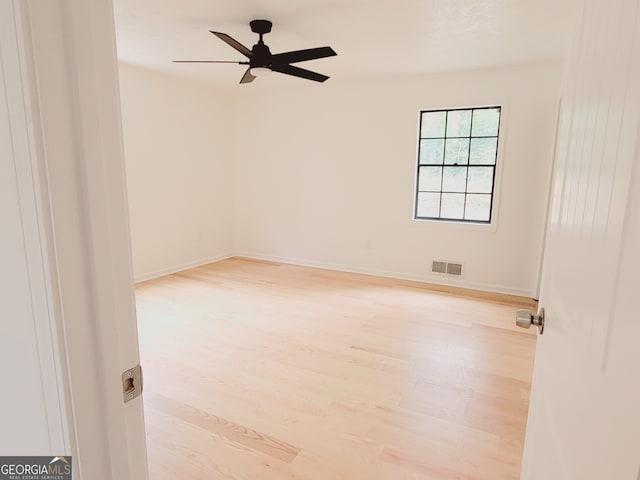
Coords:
524,319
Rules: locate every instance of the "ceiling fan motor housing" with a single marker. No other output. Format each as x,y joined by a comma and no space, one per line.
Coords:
260,27
261,56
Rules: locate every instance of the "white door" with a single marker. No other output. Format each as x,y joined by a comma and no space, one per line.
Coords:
67,88
584,418
31,406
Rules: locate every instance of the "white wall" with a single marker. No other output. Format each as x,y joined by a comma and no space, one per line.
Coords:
323,174
179,172
32,404
326,176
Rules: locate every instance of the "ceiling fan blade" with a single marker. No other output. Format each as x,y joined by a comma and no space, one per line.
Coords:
302,55
300,72
233,43
208,61
247,77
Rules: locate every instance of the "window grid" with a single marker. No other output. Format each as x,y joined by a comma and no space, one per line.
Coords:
443,166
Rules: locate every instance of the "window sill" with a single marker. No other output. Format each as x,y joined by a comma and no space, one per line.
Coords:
452,224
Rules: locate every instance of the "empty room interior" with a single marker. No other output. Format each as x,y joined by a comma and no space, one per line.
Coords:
331,240
291,324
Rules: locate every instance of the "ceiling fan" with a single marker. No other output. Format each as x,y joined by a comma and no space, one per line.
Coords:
262,61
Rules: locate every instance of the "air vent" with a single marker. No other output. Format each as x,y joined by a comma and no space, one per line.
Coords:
454,269
439,267
449,268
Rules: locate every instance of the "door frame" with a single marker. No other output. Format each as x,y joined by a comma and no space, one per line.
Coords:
68,68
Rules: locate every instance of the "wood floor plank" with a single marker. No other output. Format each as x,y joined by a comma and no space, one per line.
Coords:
222,427
263,370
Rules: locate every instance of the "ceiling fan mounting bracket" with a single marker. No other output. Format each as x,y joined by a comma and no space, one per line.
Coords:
260,26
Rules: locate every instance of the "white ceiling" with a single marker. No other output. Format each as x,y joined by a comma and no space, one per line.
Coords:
371,37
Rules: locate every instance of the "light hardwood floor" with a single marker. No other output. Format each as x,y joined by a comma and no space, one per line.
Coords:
256,370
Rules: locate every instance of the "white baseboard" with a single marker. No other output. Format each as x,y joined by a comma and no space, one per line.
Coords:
433,279
178,268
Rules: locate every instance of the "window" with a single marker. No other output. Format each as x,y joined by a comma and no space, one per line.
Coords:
457,164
